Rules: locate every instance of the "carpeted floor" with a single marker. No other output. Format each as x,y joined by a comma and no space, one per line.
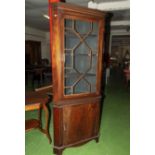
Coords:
114,130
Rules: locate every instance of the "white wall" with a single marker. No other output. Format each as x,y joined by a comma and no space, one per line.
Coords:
47,53
38,35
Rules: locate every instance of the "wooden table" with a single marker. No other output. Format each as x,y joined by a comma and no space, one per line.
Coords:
37,74
37,101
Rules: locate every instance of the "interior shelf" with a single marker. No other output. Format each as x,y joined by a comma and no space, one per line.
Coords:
78,75
82,35
81,54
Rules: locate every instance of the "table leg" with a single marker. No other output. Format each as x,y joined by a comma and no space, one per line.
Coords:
39,118
46,129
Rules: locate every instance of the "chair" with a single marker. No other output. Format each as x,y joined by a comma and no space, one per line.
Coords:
38,100
37,75
47,74
45,62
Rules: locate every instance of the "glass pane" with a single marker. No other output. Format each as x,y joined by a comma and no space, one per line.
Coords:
71,78
71,40
81,87
81,56
82,27
93,68
95,28
82,63
92,41
68,91
68,23
82,48
68,60
91,78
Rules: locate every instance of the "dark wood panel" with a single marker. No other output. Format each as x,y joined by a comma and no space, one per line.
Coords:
32,52
58,127
80,122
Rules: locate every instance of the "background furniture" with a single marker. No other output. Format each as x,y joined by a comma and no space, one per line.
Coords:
38,74
47,74
37,101
36,68
35,73
126,72
77,48
32,52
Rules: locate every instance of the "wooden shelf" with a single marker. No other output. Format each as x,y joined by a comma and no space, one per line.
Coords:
31,124
81,54
70,75
82,35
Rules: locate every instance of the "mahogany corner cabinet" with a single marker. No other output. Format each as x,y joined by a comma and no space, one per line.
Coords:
77,43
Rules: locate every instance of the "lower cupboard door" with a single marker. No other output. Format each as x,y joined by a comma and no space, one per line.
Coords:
80,122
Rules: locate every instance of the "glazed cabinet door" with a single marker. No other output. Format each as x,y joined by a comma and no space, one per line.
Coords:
77,49
81,56
81,68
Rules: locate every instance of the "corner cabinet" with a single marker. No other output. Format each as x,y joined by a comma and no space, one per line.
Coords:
77,35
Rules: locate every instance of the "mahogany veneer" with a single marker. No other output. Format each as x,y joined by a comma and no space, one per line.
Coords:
77,36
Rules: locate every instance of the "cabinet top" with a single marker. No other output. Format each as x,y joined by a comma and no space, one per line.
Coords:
78,9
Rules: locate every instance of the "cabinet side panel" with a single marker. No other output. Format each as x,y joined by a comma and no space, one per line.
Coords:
57,126
80,122
57,56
